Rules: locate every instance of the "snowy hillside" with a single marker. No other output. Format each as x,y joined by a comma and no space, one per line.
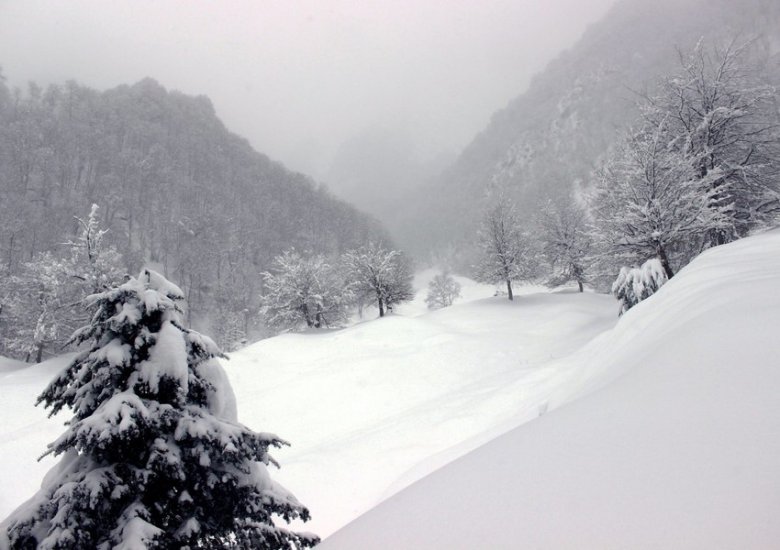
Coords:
679,451
547,141
371,408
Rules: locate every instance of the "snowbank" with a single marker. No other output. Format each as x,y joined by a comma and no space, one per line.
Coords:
680,450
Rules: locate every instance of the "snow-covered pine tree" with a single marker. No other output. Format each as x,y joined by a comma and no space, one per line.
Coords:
304,292
154,456
504,248
379,275
443,290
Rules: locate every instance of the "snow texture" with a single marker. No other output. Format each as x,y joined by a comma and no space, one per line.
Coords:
680,450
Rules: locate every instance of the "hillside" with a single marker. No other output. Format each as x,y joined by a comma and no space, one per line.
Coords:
680,450
547,141
176,189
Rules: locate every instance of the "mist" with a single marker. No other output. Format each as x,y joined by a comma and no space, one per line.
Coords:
299,79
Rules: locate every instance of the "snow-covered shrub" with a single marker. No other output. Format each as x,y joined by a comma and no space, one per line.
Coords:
154,456
635,284
443,290
304,292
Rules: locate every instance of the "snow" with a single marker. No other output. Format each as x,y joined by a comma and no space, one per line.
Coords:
136,533
678,447
167,359
453,423
371,408
25,431
7,364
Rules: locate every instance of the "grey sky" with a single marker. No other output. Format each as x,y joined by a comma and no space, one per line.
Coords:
297,78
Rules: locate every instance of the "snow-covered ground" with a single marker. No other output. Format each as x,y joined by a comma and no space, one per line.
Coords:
371,408
680,450
672,441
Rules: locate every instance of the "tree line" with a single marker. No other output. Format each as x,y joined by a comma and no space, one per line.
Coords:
699,170
175,191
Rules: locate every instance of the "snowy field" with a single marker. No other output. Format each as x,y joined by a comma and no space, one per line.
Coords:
672,441
371,408
681,450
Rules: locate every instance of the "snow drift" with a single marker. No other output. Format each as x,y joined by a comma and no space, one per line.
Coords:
680,450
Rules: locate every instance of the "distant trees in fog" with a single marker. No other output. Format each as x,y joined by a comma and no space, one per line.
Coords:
379,275
505,250
304,291
43,301
176,190
701,169
566,243
308,290
443,290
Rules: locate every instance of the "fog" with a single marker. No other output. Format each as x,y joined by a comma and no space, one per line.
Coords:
300,78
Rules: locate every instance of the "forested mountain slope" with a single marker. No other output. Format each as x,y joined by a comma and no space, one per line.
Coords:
174,186
547,141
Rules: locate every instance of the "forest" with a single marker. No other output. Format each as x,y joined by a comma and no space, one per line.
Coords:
175,190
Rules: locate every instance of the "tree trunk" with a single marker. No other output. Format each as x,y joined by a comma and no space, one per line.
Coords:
579,284
381,308
664,261
305,311
39,355
318,318
509,289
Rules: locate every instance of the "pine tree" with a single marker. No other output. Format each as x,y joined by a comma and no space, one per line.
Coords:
443,290
154,456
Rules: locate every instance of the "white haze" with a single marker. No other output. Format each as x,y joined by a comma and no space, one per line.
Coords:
300,78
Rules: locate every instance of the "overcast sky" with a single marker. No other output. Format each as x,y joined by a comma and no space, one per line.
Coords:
298,78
